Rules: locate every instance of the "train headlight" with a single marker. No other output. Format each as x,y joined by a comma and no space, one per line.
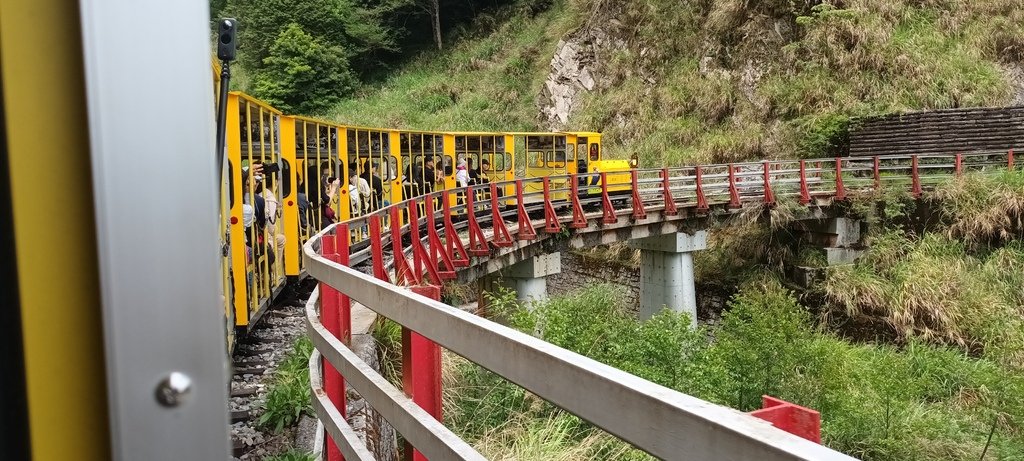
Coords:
634,162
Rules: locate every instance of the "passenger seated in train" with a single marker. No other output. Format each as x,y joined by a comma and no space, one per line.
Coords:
376,186
273,212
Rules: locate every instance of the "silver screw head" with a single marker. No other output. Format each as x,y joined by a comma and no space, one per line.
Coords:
172,390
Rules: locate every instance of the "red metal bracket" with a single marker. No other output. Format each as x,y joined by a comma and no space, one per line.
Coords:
958,164
525,231
421,369
420,257
796,420
403,272
840,188
702,200
437,249
769,197
477,241
638,203
551,225
377,249
457,251
734,194
606,202
579,221
877,167
666,195
915,188
805,193
500,237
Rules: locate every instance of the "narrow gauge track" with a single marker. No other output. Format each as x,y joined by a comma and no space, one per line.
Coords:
254,362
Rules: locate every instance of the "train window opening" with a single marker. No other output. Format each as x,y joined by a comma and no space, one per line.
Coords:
595,152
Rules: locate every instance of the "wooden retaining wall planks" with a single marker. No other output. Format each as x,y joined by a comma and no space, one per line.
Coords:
939,131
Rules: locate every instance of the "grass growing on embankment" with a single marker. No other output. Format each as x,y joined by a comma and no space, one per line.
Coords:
721,80
289,395
916,402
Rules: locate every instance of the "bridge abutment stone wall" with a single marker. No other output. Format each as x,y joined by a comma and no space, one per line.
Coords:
666,272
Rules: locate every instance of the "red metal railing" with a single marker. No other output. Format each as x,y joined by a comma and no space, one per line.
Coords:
407,249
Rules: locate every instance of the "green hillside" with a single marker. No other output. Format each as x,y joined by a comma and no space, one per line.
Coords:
718,80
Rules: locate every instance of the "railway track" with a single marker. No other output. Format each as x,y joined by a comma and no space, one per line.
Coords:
254,362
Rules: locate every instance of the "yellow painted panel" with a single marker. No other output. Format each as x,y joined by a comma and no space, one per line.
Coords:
54,230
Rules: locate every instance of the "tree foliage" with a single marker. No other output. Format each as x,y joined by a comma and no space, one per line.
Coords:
302,74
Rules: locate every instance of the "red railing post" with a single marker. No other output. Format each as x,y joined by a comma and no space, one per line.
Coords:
421,369
414,234
666,194
840,188
877,173
805,192
401,265
638,203
344,303
499,235
958,164
606,202
334,386
769,197
915,178
525,231
734,194
1009,159
477,241
377,249
702,200
579,220
551,225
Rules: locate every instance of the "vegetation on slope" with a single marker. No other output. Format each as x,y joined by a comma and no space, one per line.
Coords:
916,402
684,82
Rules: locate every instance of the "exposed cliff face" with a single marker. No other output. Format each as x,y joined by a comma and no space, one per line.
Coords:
575,68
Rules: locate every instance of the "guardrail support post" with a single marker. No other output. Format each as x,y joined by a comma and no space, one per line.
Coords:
606,202
734,194
377,249
958,164
638,202
334,386
769,197
666,194
579,220
1009,159
840,188
477,241
702,200
805,193
915,178
551,225
877,173
456,250
499,232
525,231
421,370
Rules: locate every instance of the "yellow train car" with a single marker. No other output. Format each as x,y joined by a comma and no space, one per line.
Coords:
224,210
256,232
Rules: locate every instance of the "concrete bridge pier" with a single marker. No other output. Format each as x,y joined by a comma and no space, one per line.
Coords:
666,273
528,278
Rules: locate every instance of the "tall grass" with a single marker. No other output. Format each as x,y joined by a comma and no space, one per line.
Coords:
984,208
934,289
915,402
